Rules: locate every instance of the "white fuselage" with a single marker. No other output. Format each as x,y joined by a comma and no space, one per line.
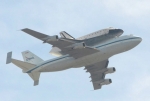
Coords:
106,50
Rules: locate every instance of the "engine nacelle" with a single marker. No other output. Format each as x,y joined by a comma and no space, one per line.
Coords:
106,82
110,70
51,38
79,45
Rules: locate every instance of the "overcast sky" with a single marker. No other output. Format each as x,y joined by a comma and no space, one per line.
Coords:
131,81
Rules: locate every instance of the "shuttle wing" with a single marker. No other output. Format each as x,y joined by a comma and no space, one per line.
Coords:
63,43
97,72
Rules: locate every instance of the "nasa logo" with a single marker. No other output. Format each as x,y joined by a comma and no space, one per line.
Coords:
28,59
26,52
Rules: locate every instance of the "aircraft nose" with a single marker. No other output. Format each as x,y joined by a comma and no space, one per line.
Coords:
139,38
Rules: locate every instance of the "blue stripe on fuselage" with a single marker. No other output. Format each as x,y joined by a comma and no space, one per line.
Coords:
46,63
68,55
115,42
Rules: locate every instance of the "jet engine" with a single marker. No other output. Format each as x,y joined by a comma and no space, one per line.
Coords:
106,82
51,38
79,45
110,70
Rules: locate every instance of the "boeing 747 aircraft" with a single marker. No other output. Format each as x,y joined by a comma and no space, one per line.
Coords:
91,51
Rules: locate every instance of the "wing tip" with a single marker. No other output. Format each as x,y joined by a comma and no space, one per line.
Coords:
24,29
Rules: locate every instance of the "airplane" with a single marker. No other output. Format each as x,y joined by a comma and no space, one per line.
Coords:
91,51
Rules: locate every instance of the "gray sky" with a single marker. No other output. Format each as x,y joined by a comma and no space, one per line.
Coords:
77,17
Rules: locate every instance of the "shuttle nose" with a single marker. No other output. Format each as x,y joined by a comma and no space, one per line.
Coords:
116,32
120,30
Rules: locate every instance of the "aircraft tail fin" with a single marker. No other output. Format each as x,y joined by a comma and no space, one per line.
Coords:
25,66
9,55
31,58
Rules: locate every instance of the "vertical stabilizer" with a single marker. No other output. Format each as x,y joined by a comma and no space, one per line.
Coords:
31,58
8,59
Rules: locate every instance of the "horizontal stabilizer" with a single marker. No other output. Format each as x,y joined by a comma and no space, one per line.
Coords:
23,65
9,55
36,83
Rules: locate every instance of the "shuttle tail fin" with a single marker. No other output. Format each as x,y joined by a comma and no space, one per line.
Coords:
64,34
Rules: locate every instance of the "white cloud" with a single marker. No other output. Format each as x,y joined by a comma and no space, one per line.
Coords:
8,95
131,8
140,88
4,31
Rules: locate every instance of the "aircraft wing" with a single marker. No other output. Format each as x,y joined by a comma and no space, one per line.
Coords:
97,72
63,43
78,53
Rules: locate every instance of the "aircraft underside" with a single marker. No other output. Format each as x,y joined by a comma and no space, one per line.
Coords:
91,51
